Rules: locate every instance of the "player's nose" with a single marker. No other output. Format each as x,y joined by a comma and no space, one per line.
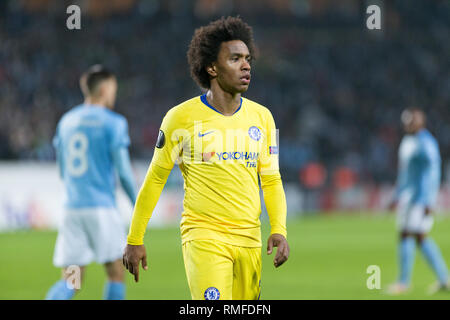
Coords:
246,65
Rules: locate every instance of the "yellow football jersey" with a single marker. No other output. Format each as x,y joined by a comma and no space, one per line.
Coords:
220,158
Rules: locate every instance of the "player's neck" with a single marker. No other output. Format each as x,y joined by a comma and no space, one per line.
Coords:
417,131
94,101
226,103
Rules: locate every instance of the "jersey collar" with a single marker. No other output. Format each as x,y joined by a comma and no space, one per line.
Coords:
205,101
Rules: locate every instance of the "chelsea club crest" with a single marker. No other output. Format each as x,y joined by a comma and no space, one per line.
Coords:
212,293
254,133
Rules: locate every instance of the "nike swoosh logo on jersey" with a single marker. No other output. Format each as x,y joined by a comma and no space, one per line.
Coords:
200,135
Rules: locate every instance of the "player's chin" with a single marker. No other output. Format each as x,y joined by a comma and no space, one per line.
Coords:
242,88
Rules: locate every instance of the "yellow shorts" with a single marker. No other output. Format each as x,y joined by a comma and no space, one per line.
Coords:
216,270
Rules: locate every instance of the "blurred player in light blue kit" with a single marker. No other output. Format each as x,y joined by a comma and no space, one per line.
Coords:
418,182
92,141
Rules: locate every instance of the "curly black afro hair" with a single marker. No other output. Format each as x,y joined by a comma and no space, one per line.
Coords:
205,45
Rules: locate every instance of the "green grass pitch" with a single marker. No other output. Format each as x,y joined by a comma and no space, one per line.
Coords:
329,258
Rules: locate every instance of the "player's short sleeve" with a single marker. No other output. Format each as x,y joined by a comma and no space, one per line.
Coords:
170,140
268,163
120,137
56,139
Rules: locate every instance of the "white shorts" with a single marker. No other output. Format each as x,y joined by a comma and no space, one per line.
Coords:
412,218
89,234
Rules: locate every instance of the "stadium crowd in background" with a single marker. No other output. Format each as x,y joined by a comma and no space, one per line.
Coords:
335,95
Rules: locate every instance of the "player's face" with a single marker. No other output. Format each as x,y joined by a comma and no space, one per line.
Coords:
412,121
110,92
233,66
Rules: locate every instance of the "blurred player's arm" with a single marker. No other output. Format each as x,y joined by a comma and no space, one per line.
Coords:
120,142
399,185
273,192
429,182
121,158
60,163
59,157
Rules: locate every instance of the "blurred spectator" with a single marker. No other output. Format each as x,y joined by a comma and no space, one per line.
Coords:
335,89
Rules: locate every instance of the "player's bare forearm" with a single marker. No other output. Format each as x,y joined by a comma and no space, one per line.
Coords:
132,257
283,250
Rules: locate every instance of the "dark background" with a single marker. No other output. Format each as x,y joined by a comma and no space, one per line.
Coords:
335,88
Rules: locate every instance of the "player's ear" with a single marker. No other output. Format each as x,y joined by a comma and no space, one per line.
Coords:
104,88
212,70
99,89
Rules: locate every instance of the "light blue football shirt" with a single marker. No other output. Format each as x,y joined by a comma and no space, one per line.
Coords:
419,169
85,139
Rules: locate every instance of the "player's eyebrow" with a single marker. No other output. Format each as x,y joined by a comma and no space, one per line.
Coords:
240,54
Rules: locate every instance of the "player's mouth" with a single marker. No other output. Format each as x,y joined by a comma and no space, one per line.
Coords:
245,79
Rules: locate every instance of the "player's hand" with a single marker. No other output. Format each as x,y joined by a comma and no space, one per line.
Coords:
132,256
279,241
393,205
428,211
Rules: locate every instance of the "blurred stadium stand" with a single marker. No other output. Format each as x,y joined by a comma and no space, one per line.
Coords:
336,89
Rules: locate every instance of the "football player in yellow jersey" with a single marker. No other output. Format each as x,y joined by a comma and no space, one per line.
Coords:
222,143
